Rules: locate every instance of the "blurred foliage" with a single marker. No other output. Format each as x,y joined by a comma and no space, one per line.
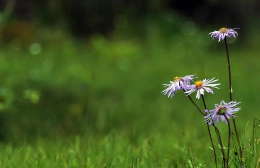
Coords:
55,85
54,82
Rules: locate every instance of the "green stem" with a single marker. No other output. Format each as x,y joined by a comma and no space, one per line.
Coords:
218,134
204,114
229,134
230,95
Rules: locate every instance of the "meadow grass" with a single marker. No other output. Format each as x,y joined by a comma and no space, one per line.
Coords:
99,104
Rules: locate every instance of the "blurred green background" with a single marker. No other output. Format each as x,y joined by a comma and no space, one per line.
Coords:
88,75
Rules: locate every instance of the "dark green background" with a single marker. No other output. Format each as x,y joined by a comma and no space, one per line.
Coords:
95,70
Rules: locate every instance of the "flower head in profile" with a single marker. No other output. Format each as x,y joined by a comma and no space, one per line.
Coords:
177,84
200,86
221,110
223,33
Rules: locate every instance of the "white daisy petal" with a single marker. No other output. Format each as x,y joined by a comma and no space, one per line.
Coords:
200,86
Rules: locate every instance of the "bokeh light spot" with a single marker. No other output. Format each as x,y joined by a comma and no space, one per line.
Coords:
35,48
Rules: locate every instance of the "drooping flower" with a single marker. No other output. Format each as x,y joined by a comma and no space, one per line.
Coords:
177,84
200,86
221,110
223,32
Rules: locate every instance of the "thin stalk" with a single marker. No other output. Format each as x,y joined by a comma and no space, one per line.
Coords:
204,114
215,156
230,95
221,145
218,134
196,105
229,71
229,134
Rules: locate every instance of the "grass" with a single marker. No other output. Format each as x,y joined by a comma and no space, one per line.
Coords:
99,103
111,151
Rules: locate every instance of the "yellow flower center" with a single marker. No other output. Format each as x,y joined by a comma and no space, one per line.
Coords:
223,30
176,78
198,84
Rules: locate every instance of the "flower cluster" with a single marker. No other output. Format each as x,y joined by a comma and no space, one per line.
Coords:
222,111
184,83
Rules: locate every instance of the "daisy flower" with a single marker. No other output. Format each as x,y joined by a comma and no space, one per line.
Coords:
200,86
221,110
224,32
177,84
